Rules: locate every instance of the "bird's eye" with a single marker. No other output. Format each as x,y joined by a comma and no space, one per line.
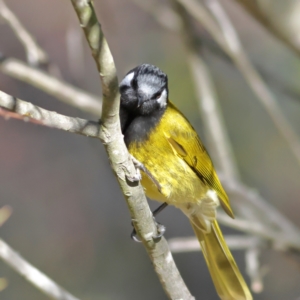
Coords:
123,88
157,95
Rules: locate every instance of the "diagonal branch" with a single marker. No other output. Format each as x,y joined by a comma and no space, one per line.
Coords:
191,244
51,85
259,12
11,107
35,54
122,165
33,275
252,207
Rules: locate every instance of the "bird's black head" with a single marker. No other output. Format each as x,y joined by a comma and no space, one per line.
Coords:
144,90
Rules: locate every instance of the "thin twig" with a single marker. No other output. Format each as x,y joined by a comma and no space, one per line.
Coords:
191,244
225,35
111,137
35,54
276,27
51,85
248,226
254,270
253,207
216,133
32,274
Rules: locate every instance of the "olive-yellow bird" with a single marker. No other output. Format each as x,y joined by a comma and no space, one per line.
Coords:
162,139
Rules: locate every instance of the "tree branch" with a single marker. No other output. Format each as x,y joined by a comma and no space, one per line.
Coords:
254,270
122,165
25,269
51,85
259,12
33,275
252,207
35,54
191,244
26,111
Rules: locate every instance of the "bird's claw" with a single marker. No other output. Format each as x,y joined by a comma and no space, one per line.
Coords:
136,177
140,166
133,235
161,229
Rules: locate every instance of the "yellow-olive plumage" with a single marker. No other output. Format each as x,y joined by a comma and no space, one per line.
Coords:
160,137
185,179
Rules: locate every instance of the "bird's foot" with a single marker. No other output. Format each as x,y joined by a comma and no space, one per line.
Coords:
161,229
140,166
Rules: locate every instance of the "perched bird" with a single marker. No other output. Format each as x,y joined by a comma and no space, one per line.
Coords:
158,135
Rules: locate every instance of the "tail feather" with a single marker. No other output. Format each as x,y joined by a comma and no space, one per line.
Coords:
228,280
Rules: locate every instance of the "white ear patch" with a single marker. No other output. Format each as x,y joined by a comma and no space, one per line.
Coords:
127,79
162,100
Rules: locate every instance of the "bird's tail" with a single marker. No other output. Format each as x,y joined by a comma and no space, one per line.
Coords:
228,280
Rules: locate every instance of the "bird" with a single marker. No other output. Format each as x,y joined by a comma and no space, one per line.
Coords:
161,138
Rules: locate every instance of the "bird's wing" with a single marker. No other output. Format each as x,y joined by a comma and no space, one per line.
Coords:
186,143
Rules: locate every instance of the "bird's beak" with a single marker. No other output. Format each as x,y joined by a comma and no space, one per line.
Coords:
140,100
142,97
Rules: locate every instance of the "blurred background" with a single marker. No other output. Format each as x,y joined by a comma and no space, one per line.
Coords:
69,217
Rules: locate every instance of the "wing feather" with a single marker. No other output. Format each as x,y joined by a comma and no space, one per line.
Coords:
186,143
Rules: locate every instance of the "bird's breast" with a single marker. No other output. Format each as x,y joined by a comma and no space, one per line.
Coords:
179,183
